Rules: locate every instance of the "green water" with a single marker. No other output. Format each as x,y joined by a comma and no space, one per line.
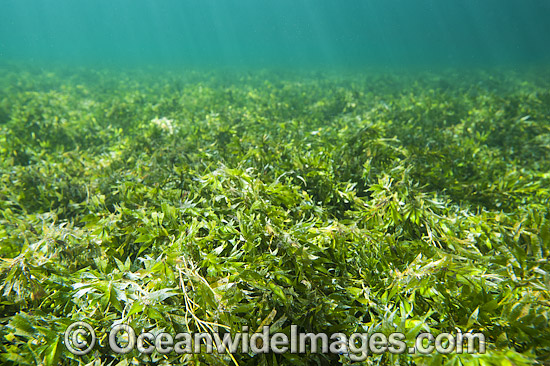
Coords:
290,34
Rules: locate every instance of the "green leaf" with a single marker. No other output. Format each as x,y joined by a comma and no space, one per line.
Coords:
53,353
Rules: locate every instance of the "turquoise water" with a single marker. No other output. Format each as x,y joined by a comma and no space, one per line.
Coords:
364,166
284,33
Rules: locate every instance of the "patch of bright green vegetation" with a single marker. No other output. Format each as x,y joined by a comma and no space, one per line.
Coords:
368,203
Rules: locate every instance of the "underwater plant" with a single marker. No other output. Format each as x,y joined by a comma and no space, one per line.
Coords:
373,203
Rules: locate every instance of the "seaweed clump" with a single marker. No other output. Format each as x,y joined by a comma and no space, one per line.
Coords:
382,203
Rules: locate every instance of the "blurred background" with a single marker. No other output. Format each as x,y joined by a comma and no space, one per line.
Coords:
282,33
